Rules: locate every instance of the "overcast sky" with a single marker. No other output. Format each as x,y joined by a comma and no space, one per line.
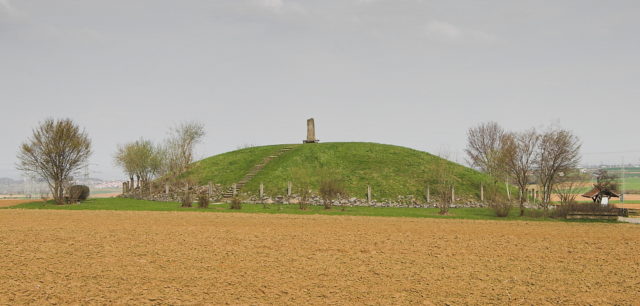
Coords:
405,72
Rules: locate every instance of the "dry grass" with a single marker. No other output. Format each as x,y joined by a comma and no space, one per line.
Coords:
109,257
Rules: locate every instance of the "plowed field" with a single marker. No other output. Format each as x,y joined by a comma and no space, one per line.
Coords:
106,257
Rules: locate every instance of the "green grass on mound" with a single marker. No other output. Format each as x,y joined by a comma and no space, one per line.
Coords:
120,204
230,167
391,171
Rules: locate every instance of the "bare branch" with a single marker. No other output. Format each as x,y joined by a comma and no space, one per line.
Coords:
484,144
179,148
56,150
558,153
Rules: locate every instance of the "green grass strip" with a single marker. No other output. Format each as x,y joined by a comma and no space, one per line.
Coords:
121,204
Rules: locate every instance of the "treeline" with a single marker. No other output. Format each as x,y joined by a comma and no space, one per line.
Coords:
544,157
142,160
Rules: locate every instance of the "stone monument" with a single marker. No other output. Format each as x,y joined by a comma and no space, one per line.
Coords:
311,132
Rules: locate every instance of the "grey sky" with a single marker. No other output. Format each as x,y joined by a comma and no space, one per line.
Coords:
405,72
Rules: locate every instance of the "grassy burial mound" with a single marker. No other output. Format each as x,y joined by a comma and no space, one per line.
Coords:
391,171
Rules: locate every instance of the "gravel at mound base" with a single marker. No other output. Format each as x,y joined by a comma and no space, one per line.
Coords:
98,257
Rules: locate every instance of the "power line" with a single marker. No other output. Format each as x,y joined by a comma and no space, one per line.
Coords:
612,152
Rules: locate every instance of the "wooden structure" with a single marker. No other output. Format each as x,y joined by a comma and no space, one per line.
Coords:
600,196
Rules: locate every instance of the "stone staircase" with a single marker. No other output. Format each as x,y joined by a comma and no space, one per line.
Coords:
253,172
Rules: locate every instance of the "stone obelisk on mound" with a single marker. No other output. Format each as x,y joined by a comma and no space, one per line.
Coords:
311,132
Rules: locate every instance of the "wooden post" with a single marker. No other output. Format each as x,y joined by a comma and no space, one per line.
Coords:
261,191
508,191
166,188
124,187
368,194
289,187
520,194
235,190
453,194
533,195
209,189
428,194
481,192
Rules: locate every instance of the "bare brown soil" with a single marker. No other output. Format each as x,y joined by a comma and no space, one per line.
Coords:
632,197
107,257
7,203
627,205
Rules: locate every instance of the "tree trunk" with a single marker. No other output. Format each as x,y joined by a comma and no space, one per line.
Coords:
58,193
522,198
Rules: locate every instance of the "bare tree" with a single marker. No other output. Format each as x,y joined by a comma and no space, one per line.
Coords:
606,180
180,146
519,152
124,159
558,154
567,186
56,150
484,148
331,187
140,159
444,183
302,182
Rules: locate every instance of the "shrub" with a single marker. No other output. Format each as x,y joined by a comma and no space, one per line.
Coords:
302,184
303,204
236,203
78,193
502,208
563,210
186,199
330,189
203,200
535,213
593,207
443,195
498,203
305,195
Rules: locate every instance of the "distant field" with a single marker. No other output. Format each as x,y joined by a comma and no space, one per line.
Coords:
106,193
96,193
631,185
106,190
629,171
631,178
